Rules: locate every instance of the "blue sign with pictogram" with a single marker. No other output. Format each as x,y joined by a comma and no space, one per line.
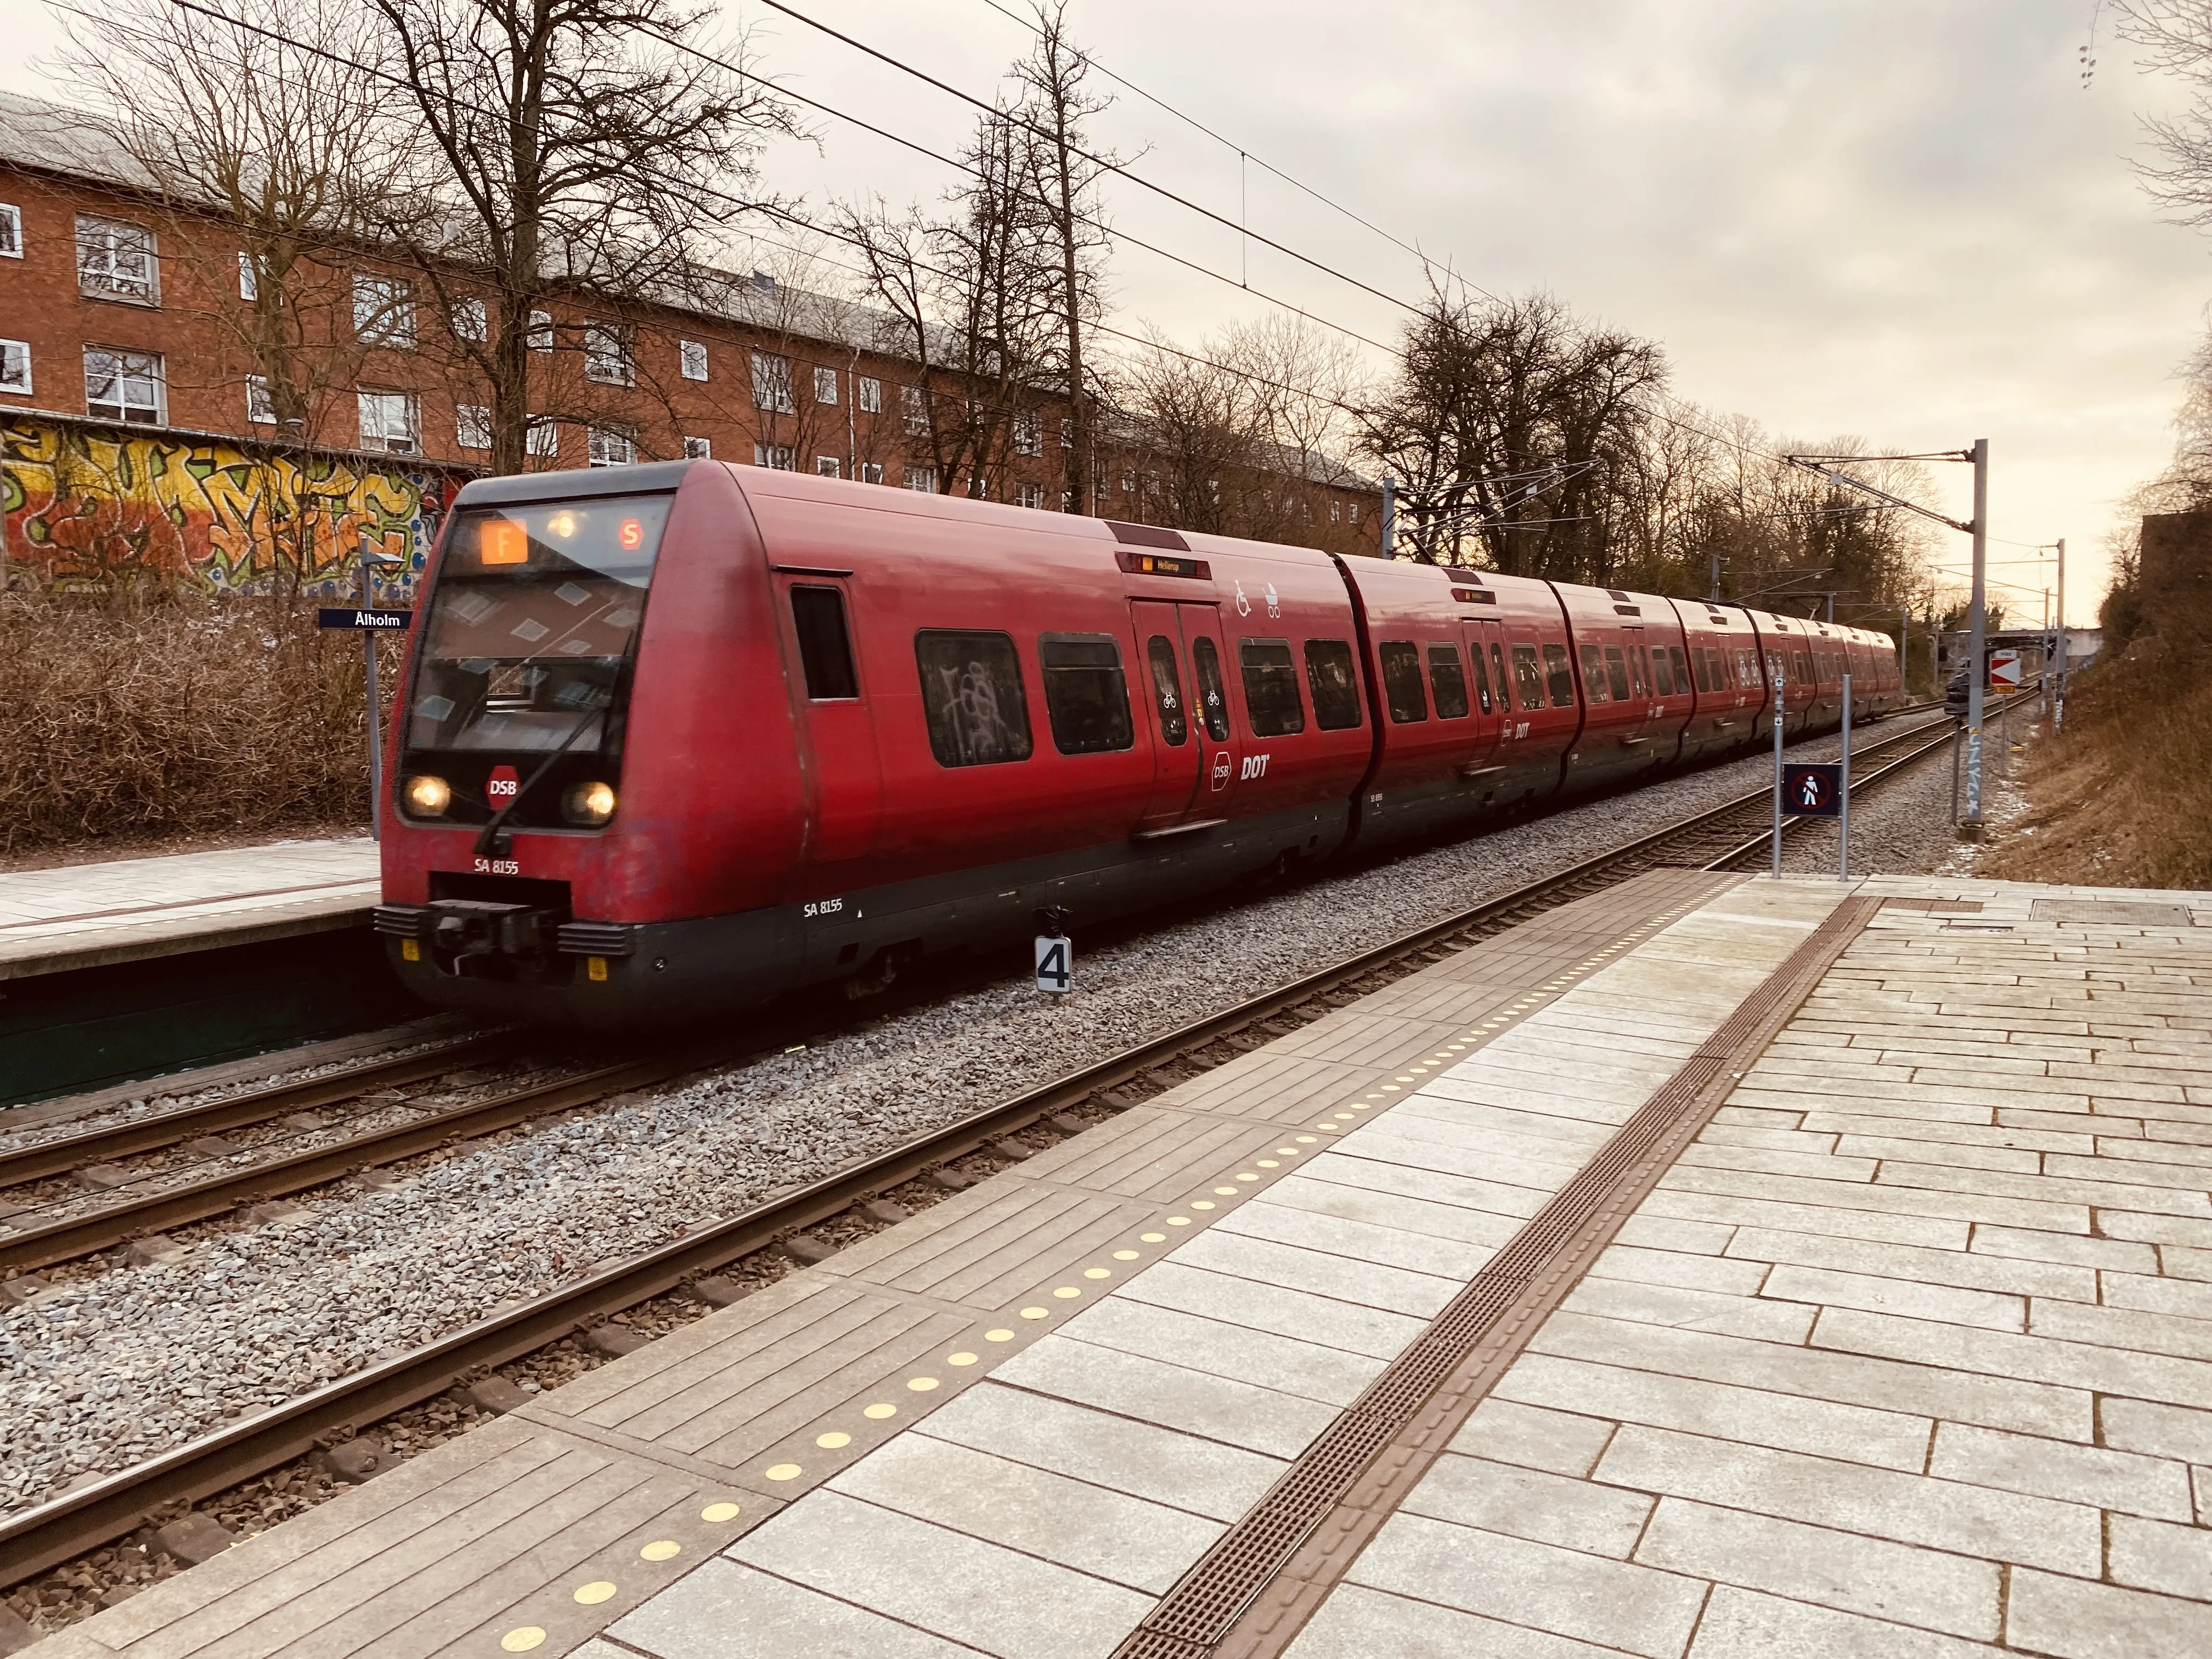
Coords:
1812,790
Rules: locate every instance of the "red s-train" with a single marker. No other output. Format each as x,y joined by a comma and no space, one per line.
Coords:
679,737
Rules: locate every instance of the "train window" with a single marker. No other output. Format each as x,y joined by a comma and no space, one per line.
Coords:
1213,693
1335,685
825,649
1085,695
1616,673
1594,674
1271,688
1447,680
1498,673
972,696
1560,671
1804,670
1167,690
1746,671
1662,674
1481,677
1681,670
1639,669
1529,676
1401,681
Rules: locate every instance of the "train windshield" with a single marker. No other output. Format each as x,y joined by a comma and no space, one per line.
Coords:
532,627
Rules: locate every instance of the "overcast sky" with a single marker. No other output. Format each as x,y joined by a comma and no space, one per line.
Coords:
1906,221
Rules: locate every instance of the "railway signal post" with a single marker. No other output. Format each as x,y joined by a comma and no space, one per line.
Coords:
1978,644
1778,684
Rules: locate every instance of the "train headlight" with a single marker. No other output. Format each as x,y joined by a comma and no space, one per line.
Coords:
589,803
428,796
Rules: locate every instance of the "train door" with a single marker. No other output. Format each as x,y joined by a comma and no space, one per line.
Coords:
1493,698
1181,668
837,738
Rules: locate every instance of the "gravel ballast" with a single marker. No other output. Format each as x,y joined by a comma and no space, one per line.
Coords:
121,1364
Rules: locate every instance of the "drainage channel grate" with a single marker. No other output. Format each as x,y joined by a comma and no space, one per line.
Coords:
1199,1610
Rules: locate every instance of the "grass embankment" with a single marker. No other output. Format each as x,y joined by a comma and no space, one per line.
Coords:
2122,797
131,725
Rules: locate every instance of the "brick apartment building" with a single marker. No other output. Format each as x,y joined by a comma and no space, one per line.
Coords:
120,324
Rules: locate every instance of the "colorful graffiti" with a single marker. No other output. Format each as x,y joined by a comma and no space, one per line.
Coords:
89,507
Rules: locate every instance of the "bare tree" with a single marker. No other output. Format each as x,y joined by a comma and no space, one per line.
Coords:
576,149
2174,38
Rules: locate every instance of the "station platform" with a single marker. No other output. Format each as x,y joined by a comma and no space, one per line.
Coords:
88,915
1720,1267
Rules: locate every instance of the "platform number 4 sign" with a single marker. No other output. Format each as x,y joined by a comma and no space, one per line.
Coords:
1056,964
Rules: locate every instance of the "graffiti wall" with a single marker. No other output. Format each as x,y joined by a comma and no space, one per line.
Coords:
92,507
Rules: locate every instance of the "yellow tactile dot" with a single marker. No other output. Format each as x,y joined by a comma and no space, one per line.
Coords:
920,1384
1100,1272
1205,1204
597,1591
1359,1105
1066,1292
836,1440
522,1638
1131,1256
660,1549
1037,1313
783,1471
1270,1163
1324,1126
1178,1221
1342,1117
1286,1151
719,1512
1306,1139
1247,1175
1001,1334
880,1411
1392,1088
1222,1192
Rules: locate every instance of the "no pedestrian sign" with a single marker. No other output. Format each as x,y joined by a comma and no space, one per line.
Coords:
381,622
1811,790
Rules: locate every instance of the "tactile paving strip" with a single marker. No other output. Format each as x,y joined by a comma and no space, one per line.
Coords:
1539,1264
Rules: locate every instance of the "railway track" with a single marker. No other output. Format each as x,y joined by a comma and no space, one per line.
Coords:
93,1514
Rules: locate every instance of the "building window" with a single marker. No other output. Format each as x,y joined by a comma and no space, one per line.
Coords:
11,231
1355,511
923,479
472,321
698,449
914,407
541,331
1030,495
612,445
260,408
472,425
116,261
249,279
541,436
691,355
1128,483
15,366
869,472
772,383
125,386
773,455
872,395
1068,434
387,421
1029,436
1335,512
606,355
383,311
825,385
828,466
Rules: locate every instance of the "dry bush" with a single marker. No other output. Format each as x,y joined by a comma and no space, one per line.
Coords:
2123,797
177,717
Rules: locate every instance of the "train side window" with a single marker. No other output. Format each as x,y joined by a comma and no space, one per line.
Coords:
972,696
1670,670
1497,674
1086,696
1746,672
1167,690
1804,671
1528,676
1401,681
1639,669
1594,674
1335,685
1560,671
1212,691
1271,688
1663,675
1616,673
1447,680
825,647
1481,677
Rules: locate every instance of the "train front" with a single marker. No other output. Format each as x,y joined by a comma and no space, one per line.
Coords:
549,826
